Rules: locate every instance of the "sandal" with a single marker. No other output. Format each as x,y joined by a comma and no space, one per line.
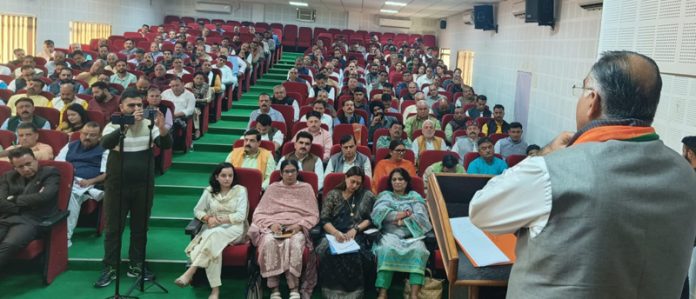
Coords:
295,295
276,295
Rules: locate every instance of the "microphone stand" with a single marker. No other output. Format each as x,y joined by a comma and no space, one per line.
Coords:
117,295
140,280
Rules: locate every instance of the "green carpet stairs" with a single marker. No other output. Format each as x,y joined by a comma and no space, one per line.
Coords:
176,193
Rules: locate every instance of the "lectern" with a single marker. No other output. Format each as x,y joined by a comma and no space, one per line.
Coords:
449,195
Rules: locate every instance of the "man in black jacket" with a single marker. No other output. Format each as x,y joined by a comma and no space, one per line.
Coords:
28,195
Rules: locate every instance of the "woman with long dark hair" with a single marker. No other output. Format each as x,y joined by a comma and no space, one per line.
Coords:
75,118
345,214
223,209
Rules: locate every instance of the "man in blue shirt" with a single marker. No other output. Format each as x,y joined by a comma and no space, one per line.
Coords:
487,162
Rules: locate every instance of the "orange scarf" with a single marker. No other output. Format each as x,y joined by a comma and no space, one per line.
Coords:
627,133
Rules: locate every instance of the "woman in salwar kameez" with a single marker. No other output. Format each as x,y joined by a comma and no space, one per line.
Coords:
345,214
400,214
223,209
280,230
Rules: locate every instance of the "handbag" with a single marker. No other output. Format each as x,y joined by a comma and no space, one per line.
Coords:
431,289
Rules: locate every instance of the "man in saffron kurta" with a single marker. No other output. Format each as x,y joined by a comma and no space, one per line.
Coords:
253,156
428,141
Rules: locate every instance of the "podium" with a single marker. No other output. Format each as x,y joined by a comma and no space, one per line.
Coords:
450,195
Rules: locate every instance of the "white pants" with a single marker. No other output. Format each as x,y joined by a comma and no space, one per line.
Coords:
77,197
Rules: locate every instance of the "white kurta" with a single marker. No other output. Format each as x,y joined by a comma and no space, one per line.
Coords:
206,248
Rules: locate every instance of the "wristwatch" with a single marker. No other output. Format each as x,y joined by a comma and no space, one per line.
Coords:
356,228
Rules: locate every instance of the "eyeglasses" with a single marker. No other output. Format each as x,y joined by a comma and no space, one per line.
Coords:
290,171
133,105
396,179
578,89
400,151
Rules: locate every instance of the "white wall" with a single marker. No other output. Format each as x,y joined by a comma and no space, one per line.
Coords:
663,30
285,14
53,17
557,59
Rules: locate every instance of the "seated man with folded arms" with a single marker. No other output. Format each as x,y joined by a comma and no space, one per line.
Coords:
34,88
487,162
88,158
306,159
28,195
28,137
252,155
25,114
349,157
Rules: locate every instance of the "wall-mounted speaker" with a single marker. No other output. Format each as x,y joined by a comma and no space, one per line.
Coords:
443,24
545,16
484,18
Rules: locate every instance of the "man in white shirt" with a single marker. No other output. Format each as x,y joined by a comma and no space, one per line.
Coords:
228,79
326,119
184,100
264,125
603,205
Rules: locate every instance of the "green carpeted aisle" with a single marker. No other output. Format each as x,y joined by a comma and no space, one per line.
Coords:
176,192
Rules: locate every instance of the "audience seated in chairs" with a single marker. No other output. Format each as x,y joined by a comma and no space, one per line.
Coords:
75,118
400,214
154,99
184,105
223,208
319,135
497,125
253,156
378,119
265,108
322,107
393,161
487,162
468,143
33,91
396,131
428,140
459,121
88,158
121,75
480,110
264,125
307,160
203,94
280,230
415,122
348,158
103,100
513,144
349,116
280,97
28,137
345,215
29,195
449,164
25,114
533,150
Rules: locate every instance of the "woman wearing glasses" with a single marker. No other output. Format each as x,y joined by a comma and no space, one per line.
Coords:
401,216
280,231
394,160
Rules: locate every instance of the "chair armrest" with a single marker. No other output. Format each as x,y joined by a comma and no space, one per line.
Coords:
193,227
316,233
53,220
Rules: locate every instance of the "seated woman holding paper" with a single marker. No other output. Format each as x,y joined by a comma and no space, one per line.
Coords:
223,208
344,216
402,217
280,230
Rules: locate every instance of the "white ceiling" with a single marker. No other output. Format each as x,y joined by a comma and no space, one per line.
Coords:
414,8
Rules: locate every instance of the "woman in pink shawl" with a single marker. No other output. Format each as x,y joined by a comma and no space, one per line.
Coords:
280,231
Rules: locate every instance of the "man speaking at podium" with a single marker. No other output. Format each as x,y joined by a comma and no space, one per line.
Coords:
607,212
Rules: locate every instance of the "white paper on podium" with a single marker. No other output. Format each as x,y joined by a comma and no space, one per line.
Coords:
477,245
341,248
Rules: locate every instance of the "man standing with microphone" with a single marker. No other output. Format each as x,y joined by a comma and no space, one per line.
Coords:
137,178
607,212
